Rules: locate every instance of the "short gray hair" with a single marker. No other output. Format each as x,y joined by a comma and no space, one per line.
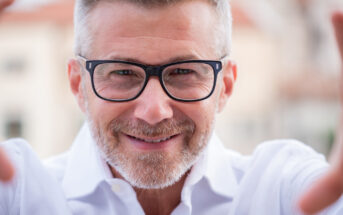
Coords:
223,31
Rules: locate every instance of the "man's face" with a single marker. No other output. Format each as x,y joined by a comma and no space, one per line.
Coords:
153,140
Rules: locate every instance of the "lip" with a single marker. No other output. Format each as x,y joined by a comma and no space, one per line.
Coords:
149,144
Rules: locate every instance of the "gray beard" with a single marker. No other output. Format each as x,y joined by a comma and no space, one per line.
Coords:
149,170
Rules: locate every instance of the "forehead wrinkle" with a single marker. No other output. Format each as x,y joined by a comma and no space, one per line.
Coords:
152,37
142,48
149,22
156,42
147,33
138,17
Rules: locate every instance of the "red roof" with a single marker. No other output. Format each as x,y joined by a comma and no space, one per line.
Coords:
311,84
61,12
240,17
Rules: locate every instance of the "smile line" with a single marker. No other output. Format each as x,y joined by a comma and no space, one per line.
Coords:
152,141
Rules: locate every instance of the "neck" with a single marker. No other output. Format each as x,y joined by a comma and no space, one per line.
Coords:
161,201
158,201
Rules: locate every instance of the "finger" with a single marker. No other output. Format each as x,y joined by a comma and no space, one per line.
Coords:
6,168
337,20
5,3
322,194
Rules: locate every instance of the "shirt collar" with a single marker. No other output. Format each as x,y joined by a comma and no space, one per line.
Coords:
220,173
215,167
86,169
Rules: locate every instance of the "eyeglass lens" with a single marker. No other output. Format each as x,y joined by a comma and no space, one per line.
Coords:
121,81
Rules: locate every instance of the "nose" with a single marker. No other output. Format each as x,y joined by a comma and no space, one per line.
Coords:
153,105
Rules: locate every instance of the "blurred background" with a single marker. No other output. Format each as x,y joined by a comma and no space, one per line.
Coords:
287,86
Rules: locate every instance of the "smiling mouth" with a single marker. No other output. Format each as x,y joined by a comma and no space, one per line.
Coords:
160,140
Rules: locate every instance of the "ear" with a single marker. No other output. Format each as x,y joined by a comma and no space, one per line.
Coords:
75,82
229,78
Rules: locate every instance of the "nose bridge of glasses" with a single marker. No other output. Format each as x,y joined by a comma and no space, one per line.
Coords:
153,70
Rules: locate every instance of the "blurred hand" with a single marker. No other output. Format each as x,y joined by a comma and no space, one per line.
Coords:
330,187
5,3
6,168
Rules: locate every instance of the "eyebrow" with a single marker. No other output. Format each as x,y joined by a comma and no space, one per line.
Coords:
171,60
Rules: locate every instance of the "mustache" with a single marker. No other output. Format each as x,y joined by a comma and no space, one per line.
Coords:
141,128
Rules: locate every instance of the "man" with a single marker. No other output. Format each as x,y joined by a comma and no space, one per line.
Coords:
150,77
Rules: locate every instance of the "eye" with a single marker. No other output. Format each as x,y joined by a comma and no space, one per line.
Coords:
180,71
122,72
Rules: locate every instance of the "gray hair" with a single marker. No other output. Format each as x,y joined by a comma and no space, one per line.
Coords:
223,30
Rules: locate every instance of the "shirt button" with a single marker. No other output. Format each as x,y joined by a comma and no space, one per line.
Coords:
116,188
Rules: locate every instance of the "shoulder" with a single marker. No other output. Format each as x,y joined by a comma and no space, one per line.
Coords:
279,171
276,154
278,150
26,162
33,185
21,155
285,150
16,150
289,147
287,157
16,146
56,165
286,165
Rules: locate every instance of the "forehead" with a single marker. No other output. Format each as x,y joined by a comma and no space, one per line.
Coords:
183,28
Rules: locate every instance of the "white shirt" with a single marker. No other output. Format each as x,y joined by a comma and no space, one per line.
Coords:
224,182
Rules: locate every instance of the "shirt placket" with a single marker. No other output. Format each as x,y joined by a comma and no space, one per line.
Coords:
185,206
127,195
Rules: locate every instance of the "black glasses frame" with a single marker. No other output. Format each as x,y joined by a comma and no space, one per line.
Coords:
152,71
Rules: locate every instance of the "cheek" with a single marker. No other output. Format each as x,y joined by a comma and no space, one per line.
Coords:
99,111
202,113
103,112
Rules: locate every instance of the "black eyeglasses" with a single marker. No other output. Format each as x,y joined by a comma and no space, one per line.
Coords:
121,81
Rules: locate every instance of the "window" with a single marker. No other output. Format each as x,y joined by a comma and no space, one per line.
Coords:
13,65
13,128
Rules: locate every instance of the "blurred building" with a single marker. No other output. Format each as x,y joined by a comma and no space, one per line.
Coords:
287,84
35,99
288,74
